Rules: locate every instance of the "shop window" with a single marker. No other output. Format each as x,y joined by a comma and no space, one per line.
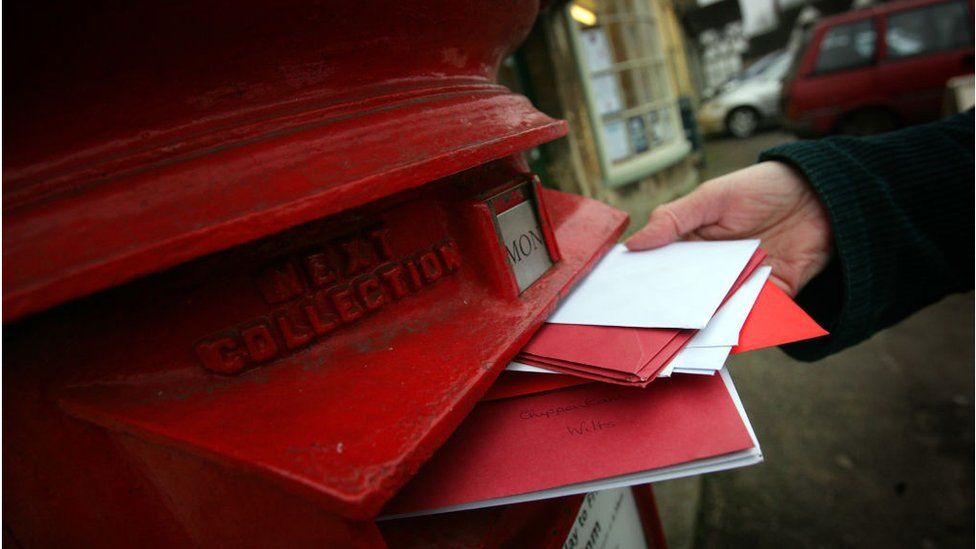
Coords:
633,109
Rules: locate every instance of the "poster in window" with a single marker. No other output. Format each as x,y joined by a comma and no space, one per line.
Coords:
596,49
664,125
615,140
638,133
606,94
655,129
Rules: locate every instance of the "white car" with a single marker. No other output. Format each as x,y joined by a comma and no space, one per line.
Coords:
745,103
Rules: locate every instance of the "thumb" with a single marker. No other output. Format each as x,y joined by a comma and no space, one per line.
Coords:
671,221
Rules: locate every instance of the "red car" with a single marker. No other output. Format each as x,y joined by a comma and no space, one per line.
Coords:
878,68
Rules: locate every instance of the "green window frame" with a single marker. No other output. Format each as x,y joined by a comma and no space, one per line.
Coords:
630,98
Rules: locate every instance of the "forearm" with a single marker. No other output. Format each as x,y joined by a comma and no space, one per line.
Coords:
901,209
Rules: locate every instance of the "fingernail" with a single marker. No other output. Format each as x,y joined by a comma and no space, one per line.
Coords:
634,243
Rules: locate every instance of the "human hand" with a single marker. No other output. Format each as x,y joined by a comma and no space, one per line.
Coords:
769,201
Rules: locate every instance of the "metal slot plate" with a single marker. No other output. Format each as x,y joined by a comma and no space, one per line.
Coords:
521,235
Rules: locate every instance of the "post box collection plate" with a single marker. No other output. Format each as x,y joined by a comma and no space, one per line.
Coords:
521,234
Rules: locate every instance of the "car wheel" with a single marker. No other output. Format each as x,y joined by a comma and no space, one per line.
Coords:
868,122
742,122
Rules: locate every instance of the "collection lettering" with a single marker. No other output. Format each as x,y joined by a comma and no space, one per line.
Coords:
319,291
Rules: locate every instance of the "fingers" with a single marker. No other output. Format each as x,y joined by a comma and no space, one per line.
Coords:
783,284
671,221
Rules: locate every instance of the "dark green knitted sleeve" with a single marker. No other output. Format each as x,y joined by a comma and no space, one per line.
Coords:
901,208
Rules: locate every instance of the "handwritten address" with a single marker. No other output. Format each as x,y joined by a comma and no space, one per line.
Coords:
559,410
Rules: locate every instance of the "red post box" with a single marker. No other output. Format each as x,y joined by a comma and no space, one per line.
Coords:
625,517
261,258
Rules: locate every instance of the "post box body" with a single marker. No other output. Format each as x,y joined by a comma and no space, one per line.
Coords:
625,517
259,261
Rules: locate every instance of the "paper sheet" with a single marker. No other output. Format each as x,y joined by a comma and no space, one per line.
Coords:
678,286
724,328
697,358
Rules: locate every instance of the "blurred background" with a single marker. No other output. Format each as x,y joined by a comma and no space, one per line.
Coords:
872,447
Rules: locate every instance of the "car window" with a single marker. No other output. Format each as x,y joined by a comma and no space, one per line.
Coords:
759,66
777,70
927,30
846,46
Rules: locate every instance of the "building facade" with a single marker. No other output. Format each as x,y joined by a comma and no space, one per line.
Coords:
617,71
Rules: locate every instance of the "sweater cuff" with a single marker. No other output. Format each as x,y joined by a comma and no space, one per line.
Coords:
839,297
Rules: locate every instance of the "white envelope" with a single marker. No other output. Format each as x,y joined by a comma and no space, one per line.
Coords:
706,360
520,367
678,286
724,328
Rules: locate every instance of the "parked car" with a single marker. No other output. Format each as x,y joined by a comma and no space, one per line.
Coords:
879,68
749,100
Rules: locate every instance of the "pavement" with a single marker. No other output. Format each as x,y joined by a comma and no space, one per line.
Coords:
871,447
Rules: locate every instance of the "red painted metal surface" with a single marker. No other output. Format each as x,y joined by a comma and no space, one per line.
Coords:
250,280
201,125
339,424
542,524
538,524
650,518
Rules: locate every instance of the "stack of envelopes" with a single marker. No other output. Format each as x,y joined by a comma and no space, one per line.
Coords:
546,429
641,315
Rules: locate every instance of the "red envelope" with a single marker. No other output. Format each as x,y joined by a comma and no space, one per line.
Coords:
624,350
775,319
629,356
646,374
587,433
513,384
754,262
